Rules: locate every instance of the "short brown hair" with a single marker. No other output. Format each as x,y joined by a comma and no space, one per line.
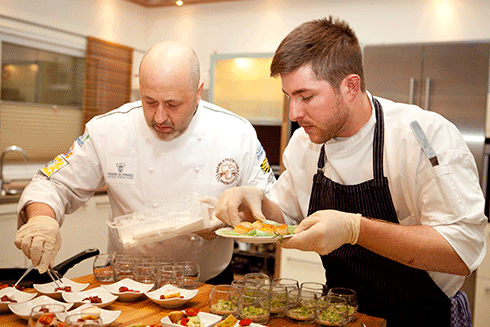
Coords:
328,45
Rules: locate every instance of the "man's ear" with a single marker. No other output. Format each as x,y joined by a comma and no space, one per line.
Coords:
351,86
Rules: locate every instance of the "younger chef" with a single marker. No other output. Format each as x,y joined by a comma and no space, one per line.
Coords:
170,145
400,231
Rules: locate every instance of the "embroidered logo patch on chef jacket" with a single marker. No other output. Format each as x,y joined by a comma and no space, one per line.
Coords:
227,171
54,165
121,170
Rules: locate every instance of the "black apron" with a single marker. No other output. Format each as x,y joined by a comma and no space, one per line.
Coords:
404,296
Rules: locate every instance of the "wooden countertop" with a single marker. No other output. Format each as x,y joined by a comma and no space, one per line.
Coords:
145,311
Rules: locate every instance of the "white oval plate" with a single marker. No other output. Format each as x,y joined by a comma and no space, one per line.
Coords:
77,297
185,296
107,316
14,294
229,233
23,310
141,289
206,319
49,289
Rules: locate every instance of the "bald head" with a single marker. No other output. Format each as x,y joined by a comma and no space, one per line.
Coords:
170,59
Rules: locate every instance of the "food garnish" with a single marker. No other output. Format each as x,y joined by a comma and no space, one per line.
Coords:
5,298
245,322
126,289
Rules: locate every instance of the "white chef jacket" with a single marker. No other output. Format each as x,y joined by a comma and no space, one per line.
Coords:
447,197
219,150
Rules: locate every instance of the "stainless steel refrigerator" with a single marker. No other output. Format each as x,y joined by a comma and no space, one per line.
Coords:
448,78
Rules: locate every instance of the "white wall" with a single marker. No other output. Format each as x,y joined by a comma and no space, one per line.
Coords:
253,25
260,25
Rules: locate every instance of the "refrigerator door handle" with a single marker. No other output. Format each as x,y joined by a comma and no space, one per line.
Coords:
427,93
411,89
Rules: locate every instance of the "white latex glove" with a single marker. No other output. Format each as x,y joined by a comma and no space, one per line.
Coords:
246,199
325,231
40,240
214,223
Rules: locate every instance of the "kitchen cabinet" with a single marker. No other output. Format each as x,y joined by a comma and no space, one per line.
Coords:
83,229
11,256
482,288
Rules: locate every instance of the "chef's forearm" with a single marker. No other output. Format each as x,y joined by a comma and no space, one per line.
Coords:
419,247
39,209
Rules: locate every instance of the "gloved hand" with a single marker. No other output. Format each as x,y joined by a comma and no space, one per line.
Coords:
214,223
40,240
246,199
325,231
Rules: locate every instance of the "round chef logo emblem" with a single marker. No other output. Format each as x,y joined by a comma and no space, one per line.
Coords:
227,171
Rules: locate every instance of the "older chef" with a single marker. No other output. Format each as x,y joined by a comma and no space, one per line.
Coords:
400,229
171,145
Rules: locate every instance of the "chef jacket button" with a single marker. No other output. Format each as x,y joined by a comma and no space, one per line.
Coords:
155,205
193,238
196,169
199,138
151,169
147,138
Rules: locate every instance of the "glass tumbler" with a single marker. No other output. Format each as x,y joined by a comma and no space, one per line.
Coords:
122,266
48,314
82,320
168,274
254,303
259,278
301,306
102,267
223,300
191,274
350,296
279,300
331,310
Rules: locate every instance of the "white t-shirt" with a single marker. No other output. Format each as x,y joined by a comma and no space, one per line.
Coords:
219,150
447,197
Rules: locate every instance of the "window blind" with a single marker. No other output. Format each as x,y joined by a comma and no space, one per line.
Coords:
108,68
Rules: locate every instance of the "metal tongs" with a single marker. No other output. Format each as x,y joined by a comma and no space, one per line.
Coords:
28,270
52,274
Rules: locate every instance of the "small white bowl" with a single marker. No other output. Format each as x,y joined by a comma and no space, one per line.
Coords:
23,310
107,316
49,289
78,297
136,289
13,294
185,296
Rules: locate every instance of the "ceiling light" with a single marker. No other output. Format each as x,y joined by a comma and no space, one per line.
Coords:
179,3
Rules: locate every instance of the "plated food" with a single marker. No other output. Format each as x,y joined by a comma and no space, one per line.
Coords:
98,296
55,291
10,295
169,296
89,310
257,232
190,317
128,289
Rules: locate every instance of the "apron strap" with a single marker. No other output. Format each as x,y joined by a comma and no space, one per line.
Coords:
378,143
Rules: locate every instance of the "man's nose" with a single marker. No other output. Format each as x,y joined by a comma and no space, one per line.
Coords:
161,115
295,111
